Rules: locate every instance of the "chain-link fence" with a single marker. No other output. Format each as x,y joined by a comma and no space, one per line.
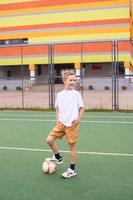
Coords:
96,91
101,80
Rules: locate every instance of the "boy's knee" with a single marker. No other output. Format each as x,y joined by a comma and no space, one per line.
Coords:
49,140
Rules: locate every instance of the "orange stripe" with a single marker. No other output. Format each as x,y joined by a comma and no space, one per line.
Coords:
65,49
124,46
27,50
89,47
35,50
62,7
34,4
66,32
58,25
10,51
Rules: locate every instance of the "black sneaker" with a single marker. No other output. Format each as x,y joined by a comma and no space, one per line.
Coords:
55,160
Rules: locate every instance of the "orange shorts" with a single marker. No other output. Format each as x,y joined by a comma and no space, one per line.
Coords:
60,130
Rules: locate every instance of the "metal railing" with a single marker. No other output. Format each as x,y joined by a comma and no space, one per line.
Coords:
22,90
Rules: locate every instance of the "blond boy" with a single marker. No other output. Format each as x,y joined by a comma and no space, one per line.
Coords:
69,110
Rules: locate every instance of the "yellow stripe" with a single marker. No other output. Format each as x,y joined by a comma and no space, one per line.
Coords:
89,58
65,59
65,7
13,1
72,38
26,61
66,32
124,57
65,17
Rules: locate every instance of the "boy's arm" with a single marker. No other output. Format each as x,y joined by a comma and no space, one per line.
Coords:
57,114
81,112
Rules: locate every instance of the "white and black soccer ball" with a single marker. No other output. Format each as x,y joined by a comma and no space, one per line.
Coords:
48,167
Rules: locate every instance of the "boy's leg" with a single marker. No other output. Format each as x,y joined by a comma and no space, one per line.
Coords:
56,133
73,153
56,157
73,158
72,137
50,141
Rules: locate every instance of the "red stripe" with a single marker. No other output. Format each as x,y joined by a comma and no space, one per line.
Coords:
58,25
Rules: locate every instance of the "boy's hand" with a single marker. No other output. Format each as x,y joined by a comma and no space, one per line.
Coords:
76,122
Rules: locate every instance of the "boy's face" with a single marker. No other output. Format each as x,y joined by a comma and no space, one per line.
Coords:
70,82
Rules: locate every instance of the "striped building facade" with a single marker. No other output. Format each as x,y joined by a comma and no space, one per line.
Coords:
81,31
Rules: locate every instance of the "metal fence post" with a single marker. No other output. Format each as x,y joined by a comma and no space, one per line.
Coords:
22,75
51,75
115,80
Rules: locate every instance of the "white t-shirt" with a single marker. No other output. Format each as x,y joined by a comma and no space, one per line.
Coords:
68,103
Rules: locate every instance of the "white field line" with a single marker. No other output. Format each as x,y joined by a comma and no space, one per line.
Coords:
62,151
52,115
53,120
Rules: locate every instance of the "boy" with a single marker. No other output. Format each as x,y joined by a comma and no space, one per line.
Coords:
69,110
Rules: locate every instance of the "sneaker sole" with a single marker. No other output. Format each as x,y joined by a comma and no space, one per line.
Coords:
56,162
69,176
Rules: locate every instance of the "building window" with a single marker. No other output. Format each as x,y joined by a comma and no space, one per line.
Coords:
14,41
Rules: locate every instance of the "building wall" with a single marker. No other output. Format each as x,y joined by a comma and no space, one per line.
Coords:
65,21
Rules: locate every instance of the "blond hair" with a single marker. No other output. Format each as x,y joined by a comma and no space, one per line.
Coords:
66,74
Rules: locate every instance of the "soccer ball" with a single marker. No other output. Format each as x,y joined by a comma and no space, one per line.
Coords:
48,167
